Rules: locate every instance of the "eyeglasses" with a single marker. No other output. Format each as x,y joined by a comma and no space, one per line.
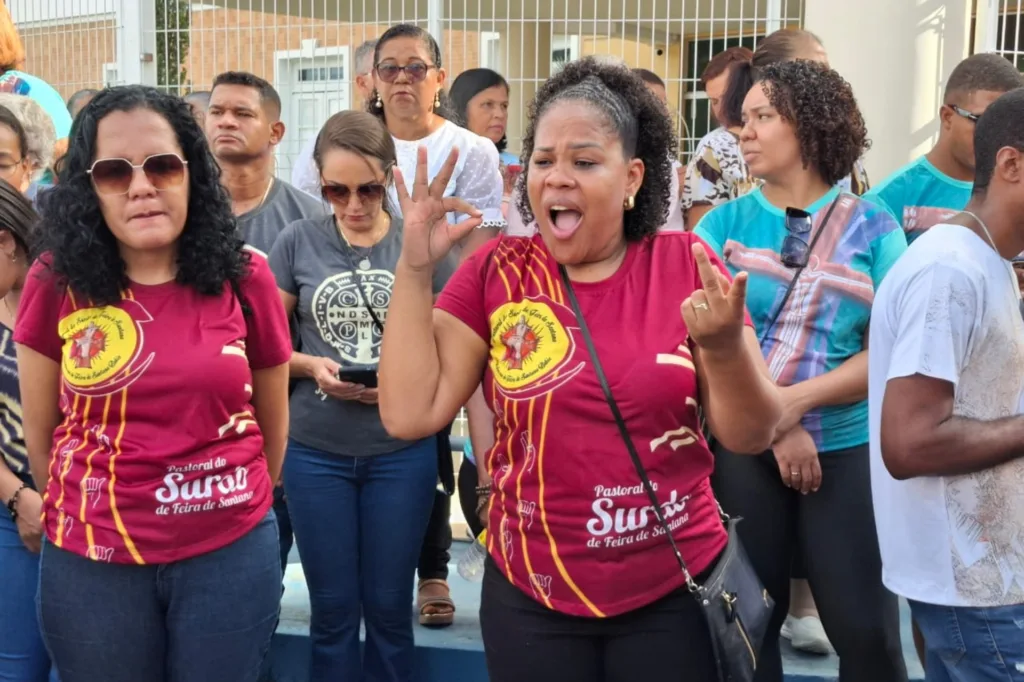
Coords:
973,118
114,176
7,168
415,72
794,247
340,194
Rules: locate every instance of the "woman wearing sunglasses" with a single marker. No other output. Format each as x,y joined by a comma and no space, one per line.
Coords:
153,369
815,256
359,499
409,98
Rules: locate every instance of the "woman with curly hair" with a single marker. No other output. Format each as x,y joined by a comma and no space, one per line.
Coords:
580,576
815,256
153,353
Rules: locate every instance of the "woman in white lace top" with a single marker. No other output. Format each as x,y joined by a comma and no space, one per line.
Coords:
409,97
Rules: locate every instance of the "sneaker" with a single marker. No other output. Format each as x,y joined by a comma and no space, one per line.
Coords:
807,635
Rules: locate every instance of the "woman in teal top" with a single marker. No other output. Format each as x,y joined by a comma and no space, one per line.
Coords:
815,256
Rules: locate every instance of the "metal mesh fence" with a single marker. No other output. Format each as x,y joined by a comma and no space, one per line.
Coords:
306,47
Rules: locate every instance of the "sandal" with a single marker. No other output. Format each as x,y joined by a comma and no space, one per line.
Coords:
434,601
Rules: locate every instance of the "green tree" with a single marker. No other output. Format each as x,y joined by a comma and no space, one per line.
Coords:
172,41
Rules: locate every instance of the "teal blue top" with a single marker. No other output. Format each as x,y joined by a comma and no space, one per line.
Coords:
920,196
824,321
20,83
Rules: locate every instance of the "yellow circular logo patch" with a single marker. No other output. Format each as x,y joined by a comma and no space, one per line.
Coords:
527,343
98,344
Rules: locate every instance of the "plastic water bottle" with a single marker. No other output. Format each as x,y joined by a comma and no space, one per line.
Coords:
471,565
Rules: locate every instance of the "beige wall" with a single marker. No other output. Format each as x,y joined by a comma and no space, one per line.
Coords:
899,75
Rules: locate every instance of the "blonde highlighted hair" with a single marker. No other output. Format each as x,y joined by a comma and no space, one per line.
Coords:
12,50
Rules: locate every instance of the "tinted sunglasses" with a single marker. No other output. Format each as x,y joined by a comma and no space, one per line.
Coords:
340,194
114,176
415,72
795,250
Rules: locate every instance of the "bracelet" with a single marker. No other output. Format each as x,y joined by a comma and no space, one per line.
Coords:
12,504
483,490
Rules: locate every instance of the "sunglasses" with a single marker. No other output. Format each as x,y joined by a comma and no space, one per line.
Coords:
114,176
795,250
415,72
340,194
964,113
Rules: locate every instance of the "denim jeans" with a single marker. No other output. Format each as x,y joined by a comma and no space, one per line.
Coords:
359,523
205,619
23,657
972,644
284,525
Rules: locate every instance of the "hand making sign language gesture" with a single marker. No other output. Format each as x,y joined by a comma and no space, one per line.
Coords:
715,315
427,234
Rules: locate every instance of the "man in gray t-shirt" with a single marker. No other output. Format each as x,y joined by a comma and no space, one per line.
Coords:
332,288
243,127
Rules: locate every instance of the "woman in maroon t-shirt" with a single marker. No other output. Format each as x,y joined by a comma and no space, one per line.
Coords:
153,353
581,583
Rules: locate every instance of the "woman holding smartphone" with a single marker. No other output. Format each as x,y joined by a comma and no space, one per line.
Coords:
359,499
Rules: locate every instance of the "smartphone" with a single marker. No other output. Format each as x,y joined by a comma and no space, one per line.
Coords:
512,172
363,377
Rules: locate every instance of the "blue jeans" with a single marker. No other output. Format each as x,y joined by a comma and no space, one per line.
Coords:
23,657
972,644
359,523
205,619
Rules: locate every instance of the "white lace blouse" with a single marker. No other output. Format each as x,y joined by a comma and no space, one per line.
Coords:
477,177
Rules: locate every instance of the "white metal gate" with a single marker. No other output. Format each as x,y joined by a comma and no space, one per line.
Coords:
182,45
999,27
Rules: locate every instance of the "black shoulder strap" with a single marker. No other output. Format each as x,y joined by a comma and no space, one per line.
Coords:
799,271
623,431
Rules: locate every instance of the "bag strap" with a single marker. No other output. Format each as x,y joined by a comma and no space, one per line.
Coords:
799,271
366,304
623,431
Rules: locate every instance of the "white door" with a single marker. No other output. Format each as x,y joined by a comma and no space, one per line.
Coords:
317,88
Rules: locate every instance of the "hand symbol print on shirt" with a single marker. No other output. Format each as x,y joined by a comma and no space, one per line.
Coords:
526,509
100,553
69,523
531,452
541,585
64,456
92,487
506,540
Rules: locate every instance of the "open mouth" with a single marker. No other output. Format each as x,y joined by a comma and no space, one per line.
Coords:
564,220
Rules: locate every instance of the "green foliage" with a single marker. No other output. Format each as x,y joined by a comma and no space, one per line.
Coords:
172,42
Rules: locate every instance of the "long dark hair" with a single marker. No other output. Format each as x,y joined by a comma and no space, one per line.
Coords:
468,85
17,217
410,31
83,252
780,46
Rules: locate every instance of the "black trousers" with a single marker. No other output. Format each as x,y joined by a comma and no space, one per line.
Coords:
667,641
468,478
437,544
835,527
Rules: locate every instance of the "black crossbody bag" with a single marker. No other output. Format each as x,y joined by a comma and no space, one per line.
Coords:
735,604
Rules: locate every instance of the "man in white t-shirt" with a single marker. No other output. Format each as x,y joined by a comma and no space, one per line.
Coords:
946,383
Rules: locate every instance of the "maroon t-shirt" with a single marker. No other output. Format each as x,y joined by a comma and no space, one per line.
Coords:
159,457
570,522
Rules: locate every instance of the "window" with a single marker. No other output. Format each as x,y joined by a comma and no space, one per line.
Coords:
696,106
564,49
490,50
320,74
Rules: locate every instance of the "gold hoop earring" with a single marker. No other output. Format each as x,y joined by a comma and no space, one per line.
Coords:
378,102
629,203
437,99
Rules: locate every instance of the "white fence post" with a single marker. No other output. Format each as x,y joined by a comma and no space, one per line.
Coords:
136,42
435,20
986,26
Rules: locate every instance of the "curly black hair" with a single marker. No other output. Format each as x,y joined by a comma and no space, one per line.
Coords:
631,111
444,108
820,105
83,252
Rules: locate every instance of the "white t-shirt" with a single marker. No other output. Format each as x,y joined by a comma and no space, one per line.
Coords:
477,177
948,309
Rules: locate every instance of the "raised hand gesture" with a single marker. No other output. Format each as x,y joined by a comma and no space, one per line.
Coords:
428,237
714,315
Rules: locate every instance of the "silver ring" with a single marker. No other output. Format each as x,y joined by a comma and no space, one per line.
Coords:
700,306
794,473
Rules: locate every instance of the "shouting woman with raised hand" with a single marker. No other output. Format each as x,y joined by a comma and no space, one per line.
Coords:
588,596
